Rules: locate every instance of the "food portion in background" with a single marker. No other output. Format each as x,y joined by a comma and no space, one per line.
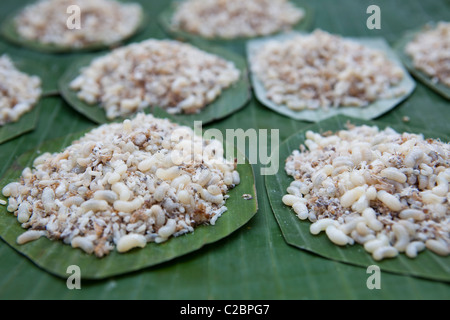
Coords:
319,71
236,18
19,92
123,185
385,190
430,52
101,22
169,74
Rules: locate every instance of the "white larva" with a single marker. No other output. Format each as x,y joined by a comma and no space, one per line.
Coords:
107,195
48,199
289,199
294,191
442,185
402,237
160,191
76,200
168,174
29,236
122,191
417,215
392,173
381,241
342,161
214,190
371,193
94,205
413,157
24,212
336,236
389,200
167,230
61,189
357,179
428,197
414,248
181,181
217,199
128,206
131,241
351,196
114,178
321,225
438,247
384,252
204,177
236,178
83,243
350,225
158,213
146,165
371,219
361,204
363,229
361,239
301,210
184,197
11,189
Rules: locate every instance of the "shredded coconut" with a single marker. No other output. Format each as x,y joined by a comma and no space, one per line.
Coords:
382,189
102,21
164,73
123,185
321,70
19,92
430,52
236,18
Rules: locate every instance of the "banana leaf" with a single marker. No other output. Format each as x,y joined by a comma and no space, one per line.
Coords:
371,111
27,122
55,257
230,100
253,262
9,31
400,46
165,20
296,232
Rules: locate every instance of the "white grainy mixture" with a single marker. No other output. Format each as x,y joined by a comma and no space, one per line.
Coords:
19,92
102,21
164,73
236,18
321,70
430,52
384,190
123,185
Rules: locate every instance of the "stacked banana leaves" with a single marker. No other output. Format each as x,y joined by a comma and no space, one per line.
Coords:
254,262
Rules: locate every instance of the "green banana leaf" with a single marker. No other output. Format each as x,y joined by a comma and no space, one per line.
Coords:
253,262
231,99
400,46
371,111
9,32
165,20
55,257
27,122
296,232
